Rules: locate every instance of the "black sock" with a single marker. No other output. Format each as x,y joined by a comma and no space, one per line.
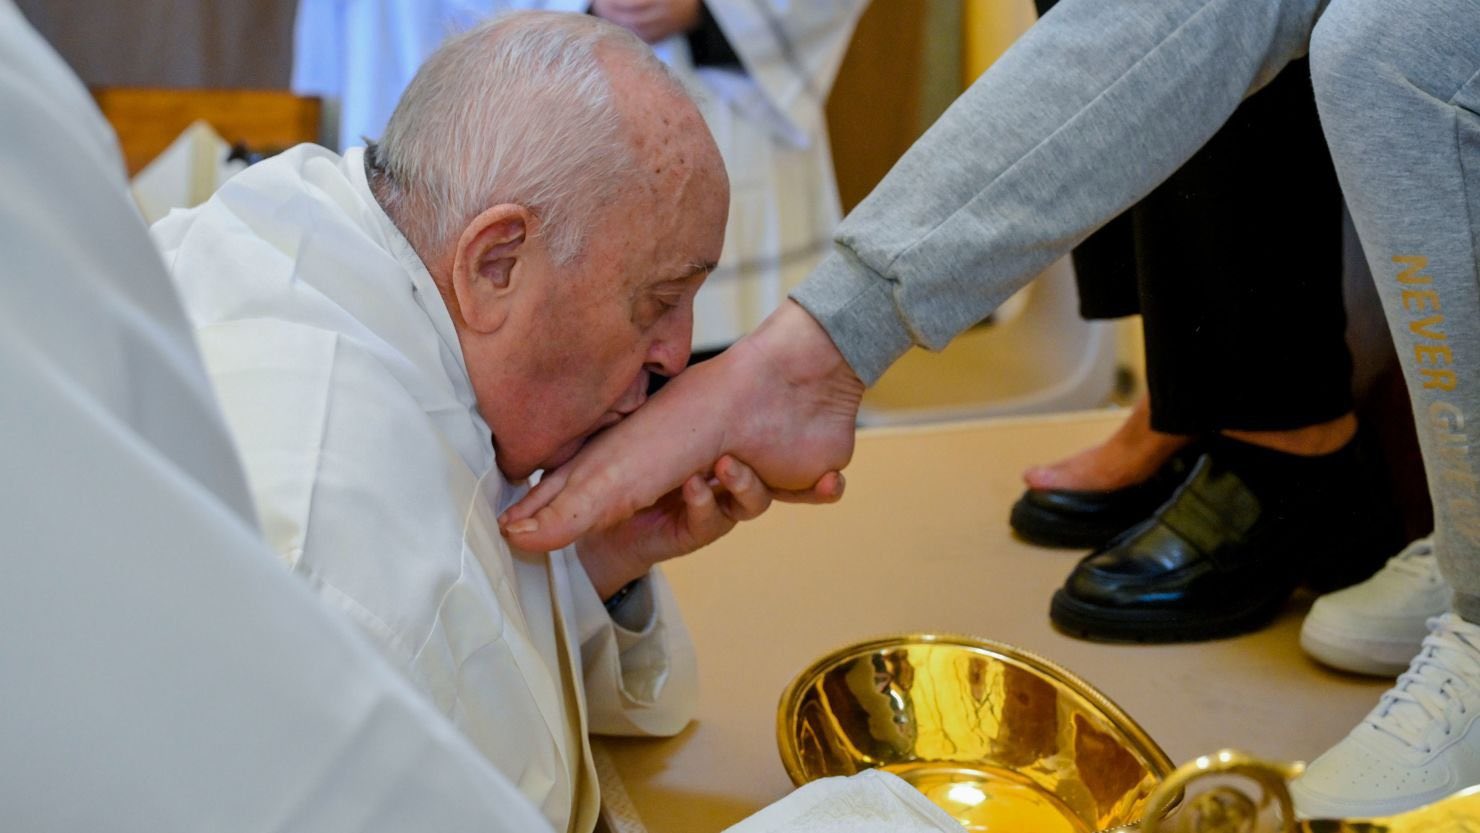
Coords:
1286,477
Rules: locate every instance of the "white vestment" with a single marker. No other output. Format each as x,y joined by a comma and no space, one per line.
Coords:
341,375
158,671
768,119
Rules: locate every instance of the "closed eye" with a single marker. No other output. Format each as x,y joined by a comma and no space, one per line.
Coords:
652,309
663,297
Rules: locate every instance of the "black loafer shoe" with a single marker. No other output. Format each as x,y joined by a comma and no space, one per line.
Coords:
1220,558
1087,519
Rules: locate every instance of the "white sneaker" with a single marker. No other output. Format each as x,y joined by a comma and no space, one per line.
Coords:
1419,745
1376,626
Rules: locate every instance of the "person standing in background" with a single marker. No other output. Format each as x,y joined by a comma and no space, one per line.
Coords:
1222,316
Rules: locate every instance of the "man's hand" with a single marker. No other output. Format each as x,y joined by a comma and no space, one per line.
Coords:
782,399
651,20
687,518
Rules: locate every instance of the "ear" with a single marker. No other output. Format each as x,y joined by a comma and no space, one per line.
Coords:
483,266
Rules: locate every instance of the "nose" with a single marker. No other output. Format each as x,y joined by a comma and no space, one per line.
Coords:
668,354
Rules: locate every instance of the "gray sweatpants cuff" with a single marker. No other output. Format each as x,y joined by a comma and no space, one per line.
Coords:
855,306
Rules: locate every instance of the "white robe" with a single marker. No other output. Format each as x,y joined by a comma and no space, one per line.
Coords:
768,120
160,671
341,375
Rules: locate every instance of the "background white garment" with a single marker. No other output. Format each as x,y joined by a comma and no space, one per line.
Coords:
160,673
186,173
767,120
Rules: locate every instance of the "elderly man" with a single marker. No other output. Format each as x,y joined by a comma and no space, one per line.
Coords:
401,336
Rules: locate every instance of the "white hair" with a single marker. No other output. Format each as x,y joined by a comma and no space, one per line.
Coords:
516,110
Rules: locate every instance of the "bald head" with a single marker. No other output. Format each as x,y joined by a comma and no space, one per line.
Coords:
569,201
562,113
672,150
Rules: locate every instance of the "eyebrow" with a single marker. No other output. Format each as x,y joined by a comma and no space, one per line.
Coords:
694,268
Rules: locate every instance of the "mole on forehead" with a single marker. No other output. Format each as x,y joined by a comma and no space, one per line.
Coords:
643,139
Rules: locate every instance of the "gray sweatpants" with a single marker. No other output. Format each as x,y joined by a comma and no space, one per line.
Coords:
1028,162
1398,87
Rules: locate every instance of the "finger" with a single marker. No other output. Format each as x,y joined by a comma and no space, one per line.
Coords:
626,7
648,18
538,498
828,489
564,506
747,496
569,515
697,495
636,18
650,32
705,520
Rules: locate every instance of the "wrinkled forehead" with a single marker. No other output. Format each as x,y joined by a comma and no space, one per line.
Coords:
670,210
674,149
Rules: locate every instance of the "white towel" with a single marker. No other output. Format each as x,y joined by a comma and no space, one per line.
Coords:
872,801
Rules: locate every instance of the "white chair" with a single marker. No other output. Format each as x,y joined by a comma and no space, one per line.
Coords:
1039,358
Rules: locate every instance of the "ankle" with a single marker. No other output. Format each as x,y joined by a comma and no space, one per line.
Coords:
799,350
792,402
1310,441
1282,476
1151,445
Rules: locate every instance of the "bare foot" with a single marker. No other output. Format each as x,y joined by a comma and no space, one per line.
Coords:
782,399
1130,456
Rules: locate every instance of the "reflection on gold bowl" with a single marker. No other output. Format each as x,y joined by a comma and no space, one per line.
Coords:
1001,739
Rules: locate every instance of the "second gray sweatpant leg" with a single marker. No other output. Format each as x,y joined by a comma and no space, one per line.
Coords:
1398,91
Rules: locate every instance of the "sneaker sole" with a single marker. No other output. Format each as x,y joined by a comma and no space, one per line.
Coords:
1378,658
1310,805
1104,624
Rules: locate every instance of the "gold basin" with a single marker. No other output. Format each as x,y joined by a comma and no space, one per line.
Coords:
1003,740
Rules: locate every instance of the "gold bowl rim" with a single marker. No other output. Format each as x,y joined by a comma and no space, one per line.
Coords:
1160,764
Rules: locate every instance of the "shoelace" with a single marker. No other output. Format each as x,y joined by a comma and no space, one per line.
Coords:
1416,559
1433,689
